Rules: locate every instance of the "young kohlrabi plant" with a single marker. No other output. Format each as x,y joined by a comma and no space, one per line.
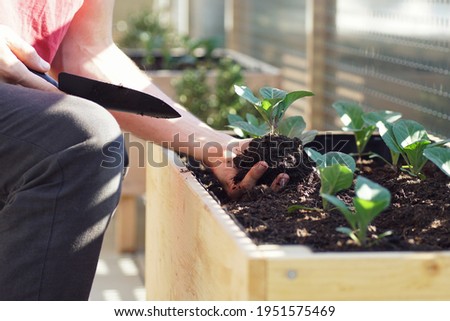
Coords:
360,123
409,139
272,108
335,170
370,200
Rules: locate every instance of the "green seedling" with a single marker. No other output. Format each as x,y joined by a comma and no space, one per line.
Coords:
370,200
409,139
360,123
335,170
272,107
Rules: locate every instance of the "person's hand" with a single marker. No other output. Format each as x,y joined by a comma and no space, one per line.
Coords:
225,171
16,58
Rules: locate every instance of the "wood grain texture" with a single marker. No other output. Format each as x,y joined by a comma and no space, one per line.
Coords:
195,251
126,225
133,186
360,276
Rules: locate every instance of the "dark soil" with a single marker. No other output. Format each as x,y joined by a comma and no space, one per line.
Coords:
282,154
419,214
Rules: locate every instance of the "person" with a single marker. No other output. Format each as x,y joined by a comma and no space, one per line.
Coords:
56,198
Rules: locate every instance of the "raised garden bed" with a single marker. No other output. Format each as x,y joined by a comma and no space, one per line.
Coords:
195,250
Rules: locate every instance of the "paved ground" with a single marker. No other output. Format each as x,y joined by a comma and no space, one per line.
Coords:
119,277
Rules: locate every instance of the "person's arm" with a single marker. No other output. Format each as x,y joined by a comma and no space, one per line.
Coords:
88,50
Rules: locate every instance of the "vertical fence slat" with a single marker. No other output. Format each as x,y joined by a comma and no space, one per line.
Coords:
318,21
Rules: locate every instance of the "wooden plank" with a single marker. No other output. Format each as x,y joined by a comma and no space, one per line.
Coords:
126,224
360,276
134,181
190,254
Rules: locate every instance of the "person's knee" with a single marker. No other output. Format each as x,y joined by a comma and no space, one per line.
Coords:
90,130
89,122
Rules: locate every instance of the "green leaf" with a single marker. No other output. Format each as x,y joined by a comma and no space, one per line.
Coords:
316,157
440,156
362,138
247,94
289,99
308,136
335,178
365,212
267,104
272,93
383,121
276,115
251,119
292,126
340,205
368,210
387,134
368,190
249,128
385,116
350,115
412,139
295,95
331,158
414,152
408,132
371,199
418,145
264,109
232,118
439,143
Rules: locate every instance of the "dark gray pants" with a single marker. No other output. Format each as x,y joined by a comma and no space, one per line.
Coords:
60,174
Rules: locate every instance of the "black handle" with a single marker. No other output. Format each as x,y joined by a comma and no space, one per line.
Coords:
45,77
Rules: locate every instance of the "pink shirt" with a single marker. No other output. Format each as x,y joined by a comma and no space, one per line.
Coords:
42,23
